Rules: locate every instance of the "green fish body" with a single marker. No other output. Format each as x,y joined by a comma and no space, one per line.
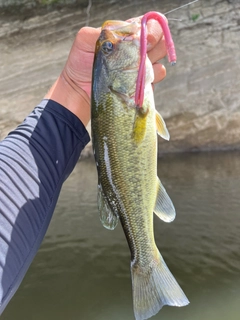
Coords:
125,148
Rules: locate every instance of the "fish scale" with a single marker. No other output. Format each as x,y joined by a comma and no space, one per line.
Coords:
124,139
125,168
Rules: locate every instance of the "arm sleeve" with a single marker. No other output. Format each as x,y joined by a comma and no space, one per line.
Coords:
35,159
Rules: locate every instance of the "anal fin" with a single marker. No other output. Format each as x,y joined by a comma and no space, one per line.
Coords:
164,207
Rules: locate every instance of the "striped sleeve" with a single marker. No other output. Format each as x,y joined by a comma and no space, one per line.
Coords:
35,160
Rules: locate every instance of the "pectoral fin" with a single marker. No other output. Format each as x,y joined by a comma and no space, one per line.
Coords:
161,127
107,217
139,128
164,207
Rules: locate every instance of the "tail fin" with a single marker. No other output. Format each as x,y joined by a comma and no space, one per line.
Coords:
153,288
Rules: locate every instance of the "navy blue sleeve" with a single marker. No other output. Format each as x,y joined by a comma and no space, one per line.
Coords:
35,159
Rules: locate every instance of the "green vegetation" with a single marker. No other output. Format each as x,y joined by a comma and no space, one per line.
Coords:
194,17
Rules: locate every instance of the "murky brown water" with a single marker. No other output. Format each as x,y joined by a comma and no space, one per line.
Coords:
82,270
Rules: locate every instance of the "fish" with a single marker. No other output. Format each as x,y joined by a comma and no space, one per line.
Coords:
124,140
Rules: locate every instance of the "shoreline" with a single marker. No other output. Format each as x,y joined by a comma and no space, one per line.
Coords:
199,98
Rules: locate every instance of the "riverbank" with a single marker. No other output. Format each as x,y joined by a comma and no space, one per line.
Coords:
199,98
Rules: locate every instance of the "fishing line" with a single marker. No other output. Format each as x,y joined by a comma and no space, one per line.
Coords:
183,6
175,19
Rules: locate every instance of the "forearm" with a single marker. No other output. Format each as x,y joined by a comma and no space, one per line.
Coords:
35,159
71,96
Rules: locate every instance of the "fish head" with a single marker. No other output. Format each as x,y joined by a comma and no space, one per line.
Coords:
118,45
116,61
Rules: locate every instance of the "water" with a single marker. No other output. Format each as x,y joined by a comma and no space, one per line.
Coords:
82,269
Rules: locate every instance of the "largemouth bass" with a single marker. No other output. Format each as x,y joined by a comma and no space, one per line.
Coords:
124,141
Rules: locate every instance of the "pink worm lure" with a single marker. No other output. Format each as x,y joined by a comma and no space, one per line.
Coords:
139,95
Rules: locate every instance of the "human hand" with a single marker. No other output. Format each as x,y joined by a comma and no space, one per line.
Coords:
156,49
73,87
78,69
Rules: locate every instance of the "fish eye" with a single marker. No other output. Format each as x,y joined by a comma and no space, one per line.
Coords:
107,47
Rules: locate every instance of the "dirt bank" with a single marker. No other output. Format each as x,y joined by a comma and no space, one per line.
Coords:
199,99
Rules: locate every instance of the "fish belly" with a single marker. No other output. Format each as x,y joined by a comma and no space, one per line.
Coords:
127,173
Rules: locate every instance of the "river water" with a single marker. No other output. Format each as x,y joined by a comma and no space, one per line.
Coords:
82,270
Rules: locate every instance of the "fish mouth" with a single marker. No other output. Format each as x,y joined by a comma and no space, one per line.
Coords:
121,27
115,37
115,31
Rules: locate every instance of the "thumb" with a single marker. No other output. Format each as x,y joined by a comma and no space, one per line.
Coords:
86,38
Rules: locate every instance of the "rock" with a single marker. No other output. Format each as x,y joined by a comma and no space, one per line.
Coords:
199,99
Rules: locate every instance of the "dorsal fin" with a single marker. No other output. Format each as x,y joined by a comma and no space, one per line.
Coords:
108,218
161,127
164,207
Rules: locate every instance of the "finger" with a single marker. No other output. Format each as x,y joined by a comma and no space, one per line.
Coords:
154,30
154,34
159,72
158,52
156,45
86,38
136,19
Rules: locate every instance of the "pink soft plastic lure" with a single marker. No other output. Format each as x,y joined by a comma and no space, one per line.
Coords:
139,95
